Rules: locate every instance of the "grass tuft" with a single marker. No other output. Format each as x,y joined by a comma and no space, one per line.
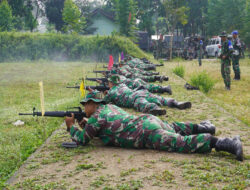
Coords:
179,71
203,81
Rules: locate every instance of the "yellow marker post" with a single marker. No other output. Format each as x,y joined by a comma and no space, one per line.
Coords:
42,97
119,58
82,88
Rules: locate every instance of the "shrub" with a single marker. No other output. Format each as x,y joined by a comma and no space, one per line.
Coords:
203,81
179,70
61,47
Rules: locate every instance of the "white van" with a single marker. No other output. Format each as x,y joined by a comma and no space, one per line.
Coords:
213,49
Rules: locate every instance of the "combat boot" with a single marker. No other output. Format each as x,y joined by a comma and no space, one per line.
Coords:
181,105
167,89
158,111
204,127
158,78
155,73
228,88
163,78
233,146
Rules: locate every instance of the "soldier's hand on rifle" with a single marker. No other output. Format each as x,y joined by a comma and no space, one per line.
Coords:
70,121
90,90
83,122
105,92
223,57
99,81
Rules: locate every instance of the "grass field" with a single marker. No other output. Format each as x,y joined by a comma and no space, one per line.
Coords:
95,166
236,101
19,92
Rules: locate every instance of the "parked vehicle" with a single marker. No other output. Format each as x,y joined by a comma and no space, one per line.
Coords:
213,49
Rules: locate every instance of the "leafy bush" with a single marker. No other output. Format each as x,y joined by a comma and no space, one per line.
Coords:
203,81
61,47
179,70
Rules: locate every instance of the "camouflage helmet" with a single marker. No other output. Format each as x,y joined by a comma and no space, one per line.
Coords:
223,34
115,79
95,96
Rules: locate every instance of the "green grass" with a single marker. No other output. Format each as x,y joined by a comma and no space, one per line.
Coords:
100,167
19,92
179,71
236,101
203,81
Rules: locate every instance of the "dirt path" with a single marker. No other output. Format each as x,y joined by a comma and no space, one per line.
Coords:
99,167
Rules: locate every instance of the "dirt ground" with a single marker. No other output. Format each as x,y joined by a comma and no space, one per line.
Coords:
98,167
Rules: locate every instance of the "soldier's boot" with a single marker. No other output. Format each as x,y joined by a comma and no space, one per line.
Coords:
181,105
231,145
237,77
159,65
158,111
204,127
163,78
227,88
155,73
167,89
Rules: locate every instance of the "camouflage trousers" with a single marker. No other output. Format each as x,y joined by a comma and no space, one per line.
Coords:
177,137
225,71
151,102
236,65
146,78
137,83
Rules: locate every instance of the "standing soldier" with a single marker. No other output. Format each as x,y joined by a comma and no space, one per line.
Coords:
226,51
199,47
236,55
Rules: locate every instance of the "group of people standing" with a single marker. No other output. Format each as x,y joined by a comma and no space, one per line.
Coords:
230,52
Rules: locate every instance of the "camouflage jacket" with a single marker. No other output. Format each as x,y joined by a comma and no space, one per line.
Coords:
123,96
237,46
226,49
116,127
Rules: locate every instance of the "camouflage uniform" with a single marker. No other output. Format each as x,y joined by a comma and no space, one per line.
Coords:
118,128
226,50
236,57
141,100
138,83
199,51
124,72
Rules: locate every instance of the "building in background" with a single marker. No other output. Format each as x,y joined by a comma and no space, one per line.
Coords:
103,22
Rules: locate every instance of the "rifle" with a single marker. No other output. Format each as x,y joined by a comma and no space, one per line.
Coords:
106,72
95,79
79,115
99,88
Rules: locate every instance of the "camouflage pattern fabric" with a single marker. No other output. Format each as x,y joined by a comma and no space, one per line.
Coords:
132,75
226,50
139,83
116,127
141,100
236,56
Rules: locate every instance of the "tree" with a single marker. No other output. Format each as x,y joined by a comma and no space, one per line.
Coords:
175,12
146,11
125,16
196,17
53,10
5,16
225,15
74,22
22,13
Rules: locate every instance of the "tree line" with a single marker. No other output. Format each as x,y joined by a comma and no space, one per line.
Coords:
182,17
